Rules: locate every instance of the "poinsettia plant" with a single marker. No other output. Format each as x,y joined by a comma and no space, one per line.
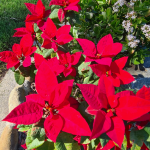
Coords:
75,104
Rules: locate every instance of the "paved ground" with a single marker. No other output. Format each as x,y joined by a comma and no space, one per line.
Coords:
6,86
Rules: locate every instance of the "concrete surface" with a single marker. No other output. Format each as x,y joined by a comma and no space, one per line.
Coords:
6,86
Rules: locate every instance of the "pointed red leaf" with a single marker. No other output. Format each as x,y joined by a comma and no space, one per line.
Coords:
13,62
17,49
26,41
38,59
63,30
104,61
117,131
35,98
40,9
74,8
110,144
73,102
121,62
26,113
74,122
6,56
27,61
144,92
64,38
102,123
53,125
46,14
55,66
45,80
88,47
105,86
125,77
31,7
51,29
60,93
61,15
99,69
132,105
20,32
103,43
91,111
90,93
75,58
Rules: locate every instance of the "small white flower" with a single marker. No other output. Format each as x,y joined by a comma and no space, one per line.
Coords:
133,17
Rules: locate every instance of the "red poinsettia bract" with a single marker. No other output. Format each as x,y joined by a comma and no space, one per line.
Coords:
115,72
66,60
111,110
105,50
67,5
62,35
21,53
28,29
50,103
38,13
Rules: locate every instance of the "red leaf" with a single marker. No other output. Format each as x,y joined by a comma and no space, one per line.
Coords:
20,32
17,49
45,80
117,130
26,113
56,66
90,93
75,58
103,43
102,123
74,122
38,59
99,69
110,144
73,102
26,41
27,61
61,15
35,98
91,111
144,93
132,105
50,29
6,56
104,61
125,77
74,8
46,14
64,38
121,62
40,9
31,7
88,47
63,30
53,126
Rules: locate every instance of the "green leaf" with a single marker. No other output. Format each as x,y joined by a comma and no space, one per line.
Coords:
83,67
85,140
109,12
64,141
35,143
136,62
138,136
135,147
36,28
24,129
47,52
104,15
19,78
46,146
104,139
13,69
54,14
